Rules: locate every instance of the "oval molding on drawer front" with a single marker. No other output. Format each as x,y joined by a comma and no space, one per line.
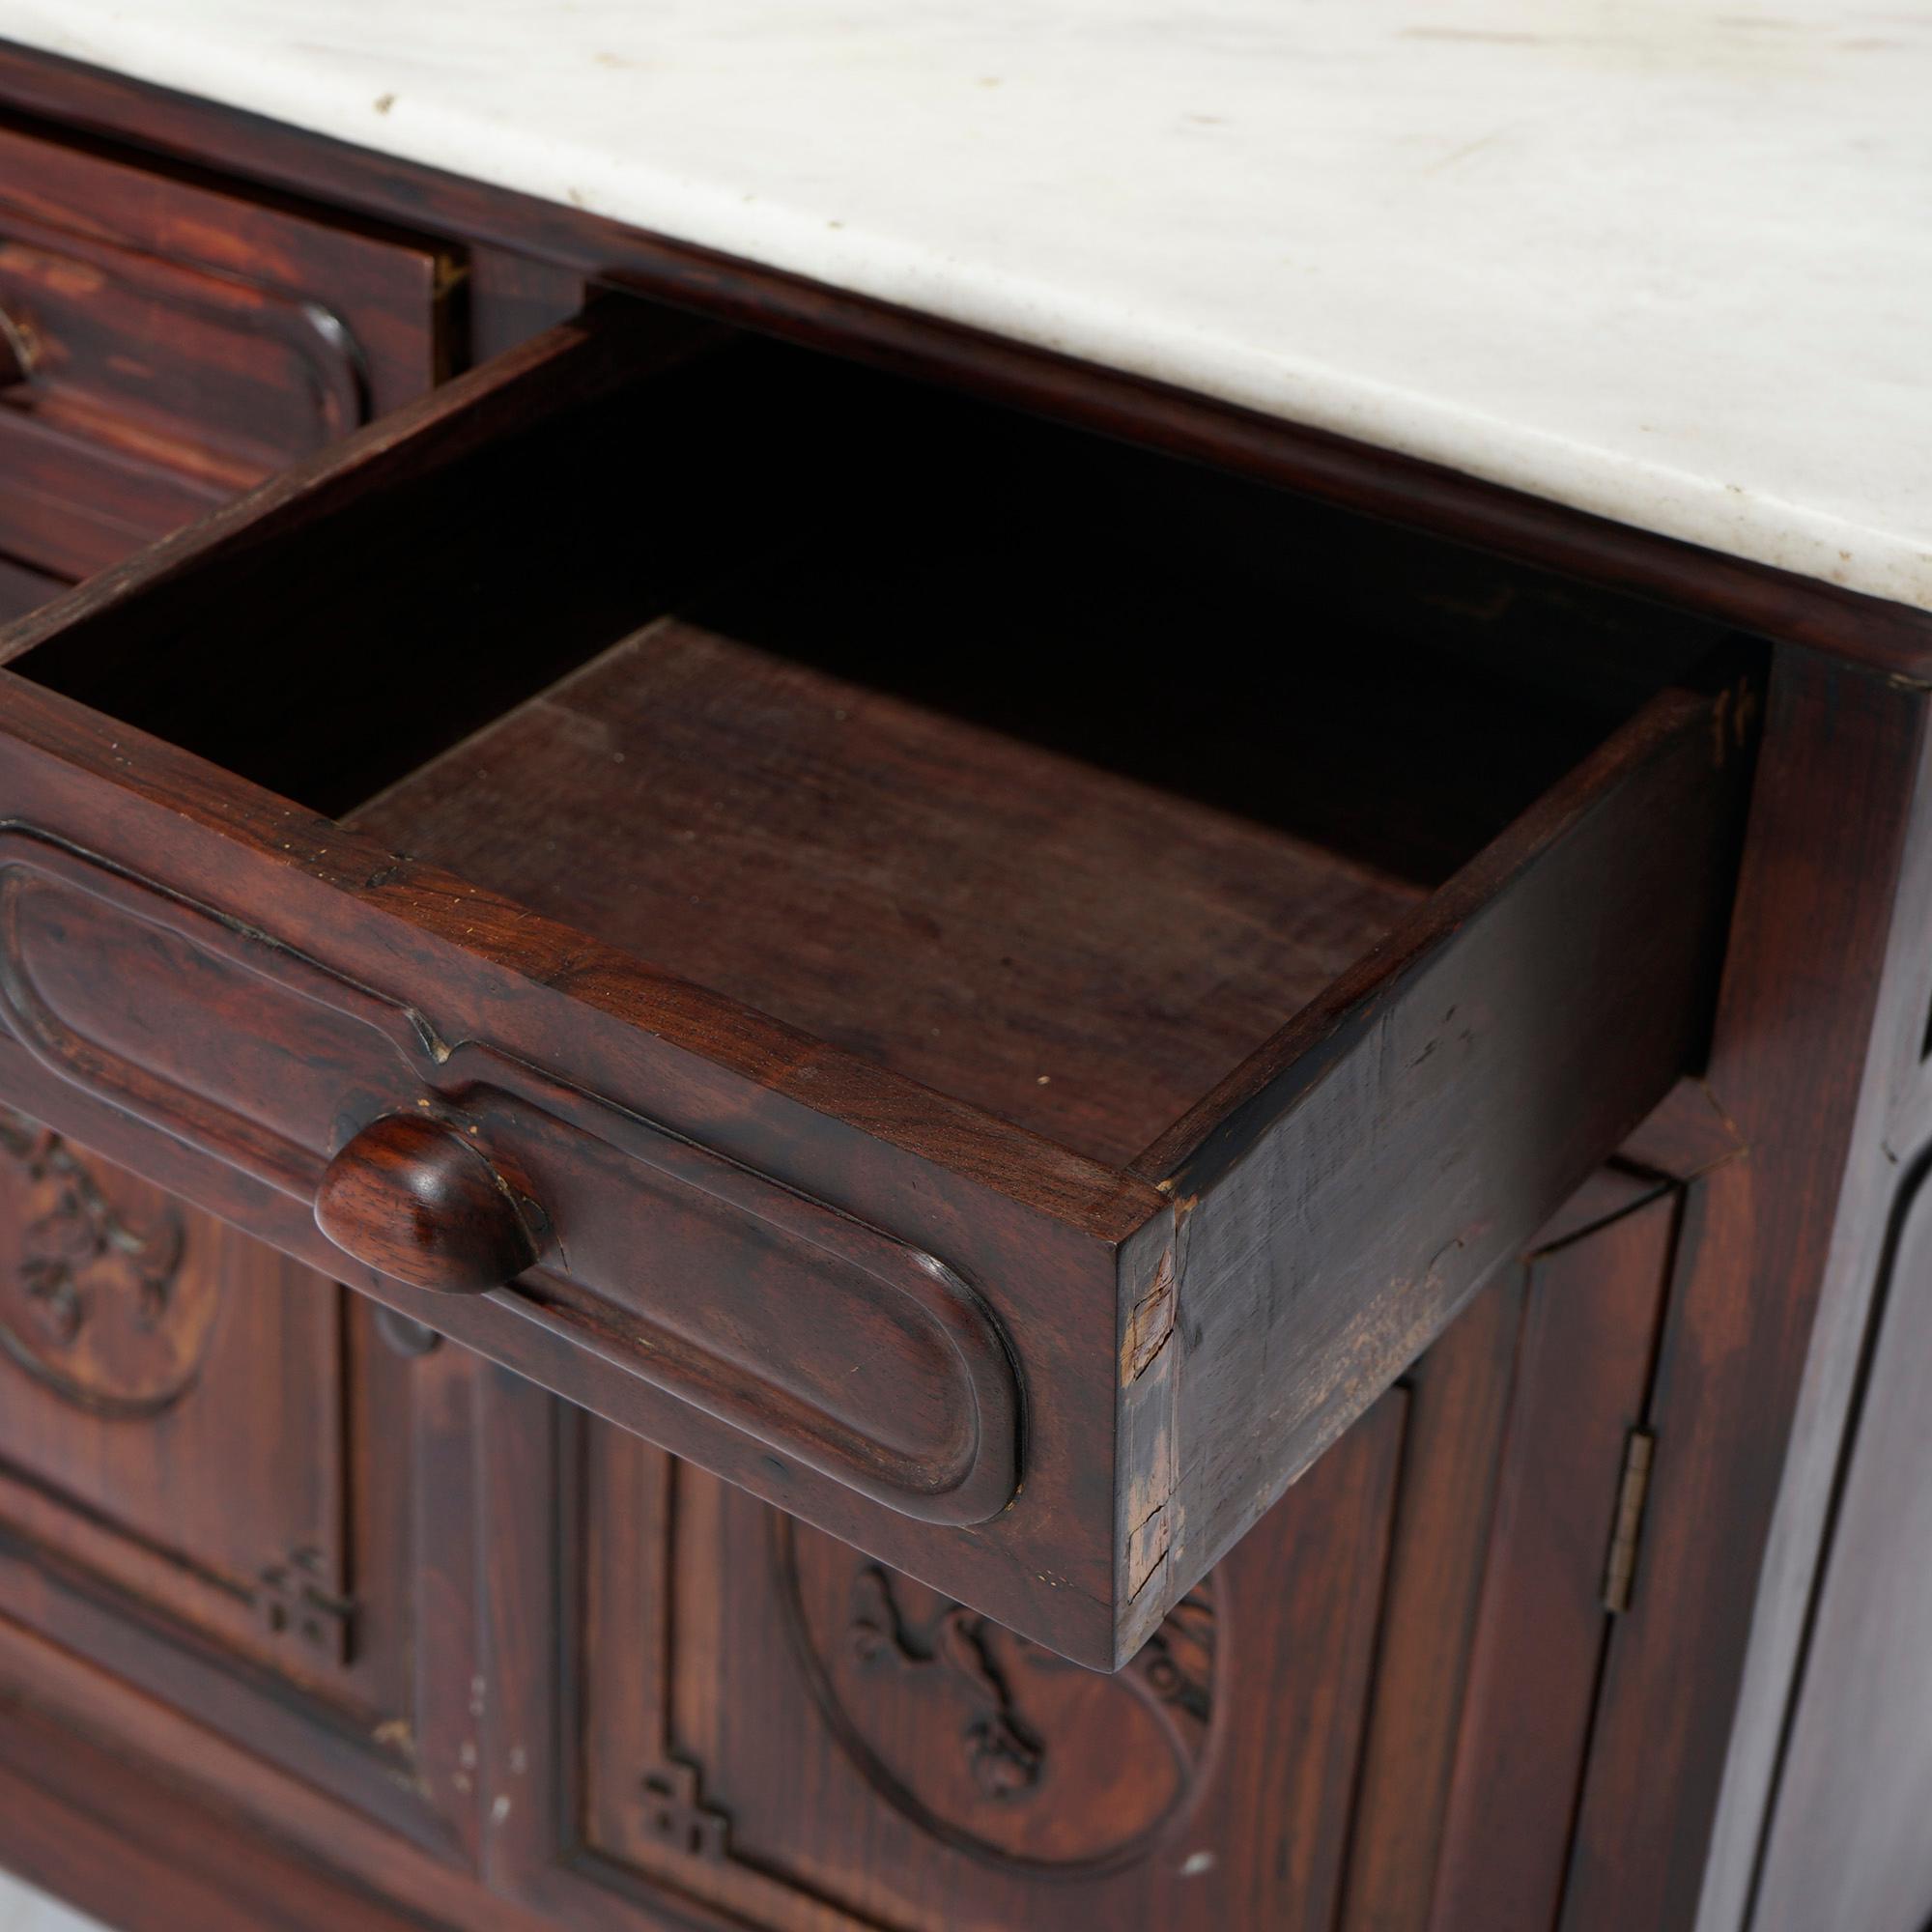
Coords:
834,1344
250,377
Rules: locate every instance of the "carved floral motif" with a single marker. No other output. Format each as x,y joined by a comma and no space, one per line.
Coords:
1005,1758
94,1301
986,1741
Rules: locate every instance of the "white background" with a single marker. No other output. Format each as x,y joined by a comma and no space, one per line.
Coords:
24,1911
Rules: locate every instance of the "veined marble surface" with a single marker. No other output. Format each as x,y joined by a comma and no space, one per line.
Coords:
1665,260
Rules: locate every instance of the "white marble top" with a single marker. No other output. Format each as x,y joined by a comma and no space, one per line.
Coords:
1665,260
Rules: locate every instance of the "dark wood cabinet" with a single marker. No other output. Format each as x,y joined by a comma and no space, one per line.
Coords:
813,1124
220,1480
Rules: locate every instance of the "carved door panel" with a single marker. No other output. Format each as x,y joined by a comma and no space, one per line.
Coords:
762,1724
754,1724
946,1772
212,1478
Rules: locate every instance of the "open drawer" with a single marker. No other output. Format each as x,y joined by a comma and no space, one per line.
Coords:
941,981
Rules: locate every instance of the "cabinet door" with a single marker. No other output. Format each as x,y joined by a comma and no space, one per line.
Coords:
765,1722
233,1482
755,1722
1526,1425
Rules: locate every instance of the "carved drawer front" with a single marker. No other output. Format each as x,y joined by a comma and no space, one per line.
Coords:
163,345
188,1424
1015,1167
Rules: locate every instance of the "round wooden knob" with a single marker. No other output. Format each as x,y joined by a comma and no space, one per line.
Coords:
418,1200
17,352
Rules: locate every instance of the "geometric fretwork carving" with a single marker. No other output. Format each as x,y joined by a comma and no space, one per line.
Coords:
676,1816
292,1604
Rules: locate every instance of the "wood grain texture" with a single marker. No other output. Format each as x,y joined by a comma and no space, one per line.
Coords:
1846,1842
1802,1677
1056,1249
1459,1397
968,1217
260,1547
23,588
1795,1016
752,1724
1484,1541
1586,1353
182,342
151,1818
1890,1126
425,1202
80,1821
90,1483
721,1714
822,513
1078,953
803,1739
51,1692
578,363
1408,1131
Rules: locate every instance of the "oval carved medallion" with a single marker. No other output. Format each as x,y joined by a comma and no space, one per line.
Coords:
92,1299
986,1741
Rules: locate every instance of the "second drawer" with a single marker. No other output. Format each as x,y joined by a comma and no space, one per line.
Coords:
166,343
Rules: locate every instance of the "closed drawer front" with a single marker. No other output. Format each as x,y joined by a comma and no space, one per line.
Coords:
934,986
166,344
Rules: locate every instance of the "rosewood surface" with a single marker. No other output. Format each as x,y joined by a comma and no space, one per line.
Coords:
1263,814
169,343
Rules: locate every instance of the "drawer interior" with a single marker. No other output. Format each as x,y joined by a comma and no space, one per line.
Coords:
1073,950
1049,773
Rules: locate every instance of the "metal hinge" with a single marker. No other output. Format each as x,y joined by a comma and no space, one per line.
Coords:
1632,1491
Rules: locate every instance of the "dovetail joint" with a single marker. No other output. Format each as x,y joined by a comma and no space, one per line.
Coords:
1147,1549
1150,1322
